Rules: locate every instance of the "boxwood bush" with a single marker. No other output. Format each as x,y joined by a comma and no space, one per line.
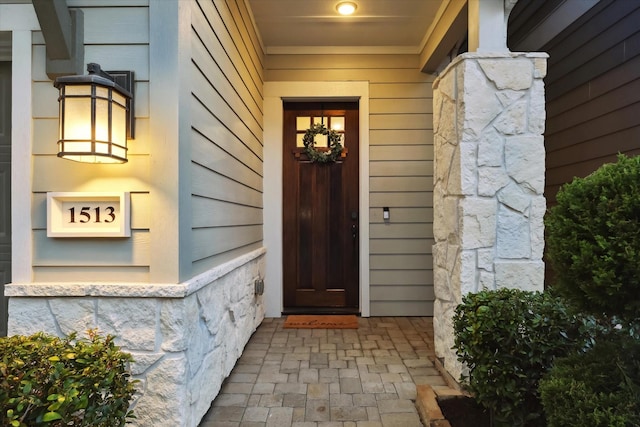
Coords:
508,339
51,381
593,240
597,388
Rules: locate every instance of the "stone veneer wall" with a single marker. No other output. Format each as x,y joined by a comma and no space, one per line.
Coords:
185,338
489,180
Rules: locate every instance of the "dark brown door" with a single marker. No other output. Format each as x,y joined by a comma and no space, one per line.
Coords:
321,218
5,189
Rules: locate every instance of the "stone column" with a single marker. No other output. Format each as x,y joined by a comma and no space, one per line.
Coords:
489,180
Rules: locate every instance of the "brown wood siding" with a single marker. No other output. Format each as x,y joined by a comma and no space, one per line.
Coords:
593,92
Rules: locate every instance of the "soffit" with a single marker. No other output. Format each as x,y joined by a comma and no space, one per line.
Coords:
378,26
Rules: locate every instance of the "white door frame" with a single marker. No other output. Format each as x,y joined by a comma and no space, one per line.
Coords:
274,95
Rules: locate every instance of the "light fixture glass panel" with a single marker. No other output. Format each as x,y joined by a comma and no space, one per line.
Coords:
119,125
119,151
303,123
102,147
77,118
75,90
102,92
337,123
117,97
102,120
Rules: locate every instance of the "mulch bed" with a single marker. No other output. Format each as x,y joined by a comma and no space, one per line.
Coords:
463,411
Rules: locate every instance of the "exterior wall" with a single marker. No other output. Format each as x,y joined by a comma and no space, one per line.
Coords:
180,292
226,133
593,92
118,39
185,338
489,182
401,169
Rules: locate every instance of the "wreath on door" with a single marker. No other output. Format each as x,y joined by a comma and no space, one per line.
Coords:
335,147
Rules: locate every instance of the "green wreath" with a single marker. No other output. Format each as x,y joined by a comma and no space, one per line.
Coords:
322,156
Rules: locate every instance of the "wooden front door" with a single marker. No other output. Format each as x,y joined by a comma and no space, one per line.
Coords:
321,218
5,189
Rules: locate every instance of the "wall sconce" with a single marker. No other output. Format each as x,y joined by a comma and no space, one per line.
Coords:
96,115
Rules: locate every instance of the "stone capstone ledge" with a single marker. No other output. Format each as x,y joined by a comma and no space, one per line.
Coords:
129,290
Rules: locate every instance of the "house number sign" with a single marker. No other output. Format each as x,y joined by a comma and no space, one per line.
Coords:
88,215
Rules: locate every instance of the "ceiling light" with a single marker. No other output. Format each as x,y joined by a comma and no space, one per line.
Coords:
346,8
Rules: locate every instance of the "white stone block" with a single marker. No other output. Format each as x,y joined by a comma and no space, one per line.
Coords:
513,120
536,218
468,273
481,106
74,314
540,68
514,240
143,361
174,323
441,284
486,256
508,73
514,197
524,275
214,299
524,159
30,315
477,219
491,149
131,320
165,399
487,281
507,97
537,107
491,180
468,168
445,218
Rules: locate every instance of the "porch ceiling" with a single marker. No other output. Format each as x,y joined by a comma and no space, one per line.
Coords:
377,26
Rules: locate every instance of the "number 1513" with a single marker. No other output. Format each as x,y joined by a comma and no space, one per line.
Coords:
87,214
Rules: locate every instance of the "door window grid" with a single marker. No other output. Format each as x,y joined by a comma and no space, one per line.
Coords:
332,122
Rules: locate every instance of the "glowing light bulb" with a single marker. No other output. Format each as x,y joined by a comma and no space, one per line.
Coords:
346,8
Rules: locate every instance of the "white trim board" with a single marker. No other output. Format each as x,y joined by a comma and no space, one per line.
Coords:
275,92
21,21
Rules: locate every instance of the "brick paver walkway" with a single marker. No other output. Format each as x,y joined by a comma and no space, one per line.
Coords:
329,378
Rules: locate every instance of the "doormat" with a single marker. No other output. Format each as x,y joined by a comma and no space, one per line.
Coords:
305,321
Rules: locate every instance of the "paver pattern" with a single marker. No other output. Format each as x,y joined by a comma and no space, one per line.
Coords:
329,377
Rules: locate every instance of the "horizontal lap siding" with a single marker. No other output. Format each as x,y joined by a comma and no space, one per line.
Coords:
401,159
117,37
226,133
401,170
593,93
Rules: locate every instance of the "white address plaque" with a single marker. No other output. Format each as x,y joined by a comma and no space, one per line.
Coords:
88,215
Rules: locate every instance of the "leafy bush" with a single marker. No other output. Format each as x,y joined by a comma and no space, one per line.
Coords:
599,388
50,381
508,339
593,240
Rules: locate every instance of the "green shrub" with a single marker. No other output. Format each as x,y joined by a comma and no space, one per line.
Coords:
508,339
50,381
599,388
593,240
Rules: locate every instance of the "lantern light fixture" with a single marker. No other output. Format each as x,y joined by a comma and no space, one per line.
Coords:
346,8
96,115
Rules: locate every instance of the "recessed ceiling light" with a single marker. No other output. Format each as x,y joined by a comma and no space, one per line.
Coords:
346,8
